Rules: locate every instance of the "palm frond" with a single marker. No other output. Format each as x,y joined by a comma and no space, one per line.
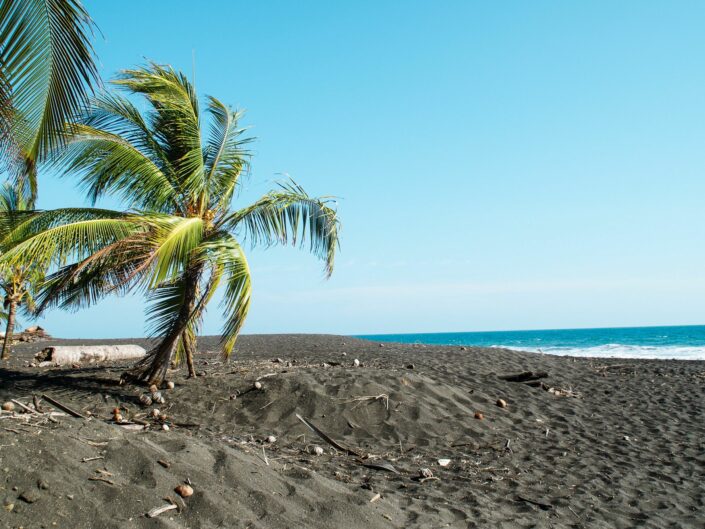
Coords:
224,154
290,215
175,121
48,62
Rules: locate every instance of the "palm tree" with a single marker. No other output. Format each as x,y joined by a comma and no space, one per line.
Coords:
46,70
20,280
177,171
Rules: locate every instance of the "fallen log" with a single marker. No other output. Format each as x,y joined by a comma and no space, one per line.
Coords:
525,376
71,354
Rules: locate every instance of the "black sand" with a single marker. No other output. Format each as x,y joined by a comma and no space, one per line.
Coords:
628,450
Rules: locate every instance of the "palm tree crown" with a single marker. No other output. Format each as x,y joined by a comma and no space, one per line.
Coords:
177,170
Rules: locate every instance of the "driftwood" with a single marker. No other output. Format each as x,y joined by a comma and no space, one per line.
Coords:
159,510
542,506
526,376
63,407
71,354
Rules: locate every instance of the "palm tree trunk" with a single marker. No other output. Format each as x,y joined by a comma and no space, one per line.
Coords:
190,349
152,369
7,343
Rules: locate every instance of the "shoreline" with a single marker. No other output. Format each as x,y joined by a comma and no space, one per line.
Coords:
624,446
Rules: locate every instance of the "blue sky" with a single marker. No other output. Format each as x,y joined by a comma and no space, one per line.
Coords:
508,165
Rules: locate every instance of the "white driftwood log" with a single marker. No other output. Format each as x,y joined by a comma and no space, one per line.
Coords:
71,354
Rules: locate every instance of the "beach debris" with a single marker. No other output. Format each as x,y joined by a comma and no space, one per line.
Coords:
375,498
526,376
425,473
501,403
153,388
155,413
444,462
382,397
479,415
379,465
159,510
327,439
29,496
76,354
184,490
62,407
158,397
102,479
9,507
317,450
164,463
356,363
117,416
542,506
165,427
257,385
8,406
277,361
145,400
170,385
381,345
463,348
343,354
270,439
411,366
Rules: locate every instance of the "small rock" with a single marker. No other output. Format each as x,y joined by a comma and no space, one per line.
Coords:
271,439
69,496
165,427
278,361
233,396
426,472
8,406
29,496
463,348
155,413
501,403
153,388
317,450
9,507
444,462
43,485
410,366
479,416
146,400
381,345
184,491
257,385
170,385
356,363
343,354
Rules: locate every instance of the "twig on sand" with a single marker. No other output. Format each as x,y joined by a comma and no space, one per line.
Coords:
360,400
87,459
542,506
24,407
159,510
267,375
375,497
327,439
104,480
62,407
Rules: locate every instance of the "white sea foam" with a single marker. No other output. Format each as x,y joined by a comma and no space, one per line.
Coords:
616,350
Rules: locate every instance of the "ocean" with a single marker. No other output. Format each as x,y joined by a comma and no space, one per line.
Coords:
683,343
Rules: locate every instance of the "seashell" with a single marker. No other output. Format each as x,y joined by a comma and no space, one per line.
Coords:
501,403
8,406
165,427
117,417
258,385
356,363
444,462
479,415
170,385
184,491
271,439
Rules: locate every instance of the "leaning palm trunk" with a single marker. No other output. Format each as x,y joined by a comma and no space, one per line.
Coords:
7,343
152,369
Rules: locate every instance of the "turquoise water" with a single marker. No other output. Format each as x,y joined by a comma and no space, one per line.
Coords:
684,343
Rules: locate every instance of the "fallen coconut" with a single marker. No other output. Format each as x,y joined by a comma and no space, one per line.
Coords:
184,491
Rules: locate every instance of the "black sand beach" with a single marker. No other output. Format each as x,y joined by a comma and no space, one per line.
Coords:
621,444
